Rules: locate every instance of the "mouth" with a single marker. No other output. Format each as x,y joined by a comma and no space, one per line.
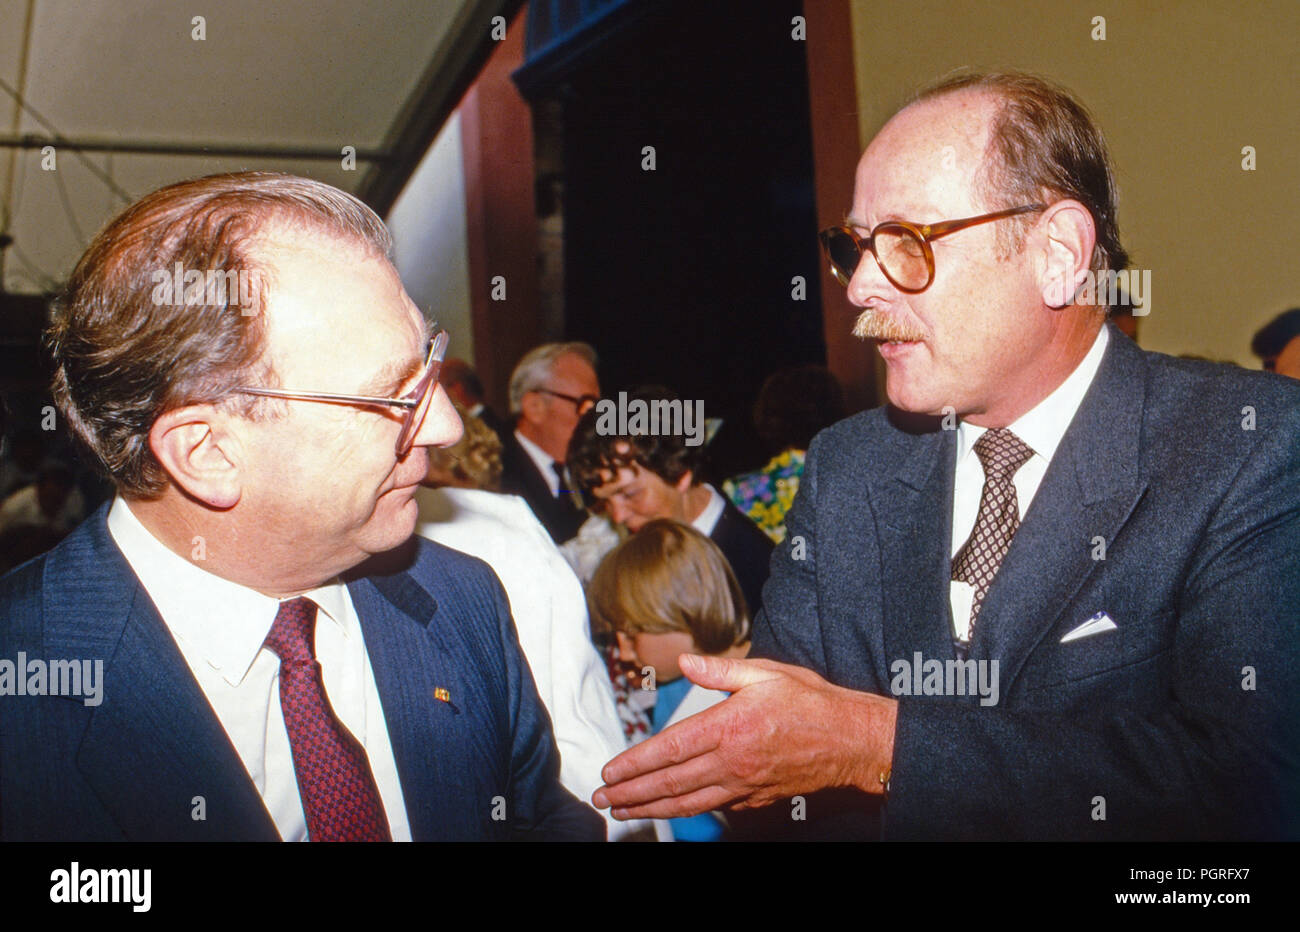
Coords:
893,349
403,487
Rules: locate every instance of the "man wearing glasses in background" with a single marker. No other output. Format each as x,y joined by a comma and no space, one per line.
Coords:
1053,589
258,681
551,387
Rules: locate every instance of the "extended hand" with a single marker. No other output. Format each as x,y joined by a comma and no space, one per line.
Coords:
783,732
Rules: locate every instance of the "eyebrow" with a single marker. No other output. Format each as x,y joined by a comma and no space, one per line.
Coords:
391,377
397,372
622,488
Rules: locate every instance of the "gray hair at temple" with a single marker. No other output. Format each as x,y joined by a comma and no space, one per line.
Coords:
122,358
534,370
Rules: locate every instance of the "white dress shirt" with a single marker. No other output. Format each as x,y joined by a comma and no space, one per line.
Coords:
219,627
544,461
1041,429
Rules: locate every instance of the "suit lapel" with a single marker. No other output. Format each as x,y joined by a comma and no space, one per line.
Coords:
1091,488
560,515
409,662
914,520
154,744
534,482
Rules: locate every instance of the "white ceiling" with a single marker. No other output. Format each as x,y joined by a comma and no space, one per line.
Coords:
270,73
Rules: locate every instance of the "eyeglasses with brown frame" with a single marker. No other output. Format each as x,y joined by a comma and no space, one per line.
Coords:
415,403
901,249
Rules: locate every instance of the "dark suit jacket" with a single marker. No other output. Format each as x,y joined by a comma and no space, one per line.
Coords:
131,767
747,549
495,424
1183,722
519,476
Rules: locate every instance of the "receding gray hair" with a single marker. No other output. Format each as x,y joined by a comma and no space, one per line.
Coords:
534,370
123,356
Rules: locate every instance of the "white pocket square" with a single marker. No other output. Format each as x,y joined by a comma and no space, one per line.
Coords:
1095,625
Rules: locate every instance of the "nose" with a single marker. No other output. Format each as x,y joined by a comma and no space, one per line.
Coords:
868,281
442,426
617,511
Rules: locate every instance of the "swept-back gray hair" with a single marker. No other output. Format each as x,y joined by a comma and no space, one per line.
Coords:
534,370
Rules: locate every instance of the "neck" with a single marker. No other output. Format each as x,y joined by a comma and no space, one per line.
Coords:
215,543
548,444
1066,349
695,500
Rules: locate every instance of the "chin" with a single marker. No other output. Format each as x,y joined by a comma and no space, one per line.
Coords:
392,525
915,397
905,398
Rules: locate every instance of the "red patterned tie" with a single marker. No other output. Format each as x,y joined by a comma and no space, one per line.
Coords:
338,791
1001,453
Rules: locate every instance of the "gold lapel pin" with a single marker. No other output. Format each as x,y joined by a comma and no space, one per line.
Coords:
441,694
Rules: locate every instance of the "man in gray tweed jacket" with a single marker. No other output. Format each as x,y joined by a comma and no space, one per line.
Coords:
1053,589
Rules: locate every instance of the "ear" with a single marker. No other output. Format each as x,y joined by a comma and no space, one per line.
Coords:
533,408
1069,236
685,482
200,453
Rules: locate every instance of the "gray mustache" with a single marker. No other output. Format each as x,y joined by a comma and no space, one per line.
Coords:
873,325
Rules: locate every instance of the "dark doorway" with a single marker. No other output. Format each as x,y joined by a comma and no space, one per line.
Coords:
684,274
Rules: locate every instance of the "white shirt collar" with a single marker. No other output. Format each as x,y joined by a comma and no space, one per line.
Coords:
224,621
1043,426
545,462
707,519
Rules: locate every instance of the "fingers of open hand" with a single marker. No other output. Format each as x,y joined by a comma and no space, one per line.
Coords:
688,739
768,741
730,675
680,790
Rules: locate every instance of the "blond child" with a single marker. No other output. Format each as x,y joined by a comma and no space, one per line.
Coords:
667,591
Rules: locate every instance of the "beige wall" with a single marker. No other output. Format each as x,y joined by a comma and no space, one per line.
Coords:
1178,88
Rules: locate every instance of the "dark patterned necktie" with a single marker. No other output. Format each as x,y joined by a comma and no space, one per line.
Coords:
338,791
1001,453
565,494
